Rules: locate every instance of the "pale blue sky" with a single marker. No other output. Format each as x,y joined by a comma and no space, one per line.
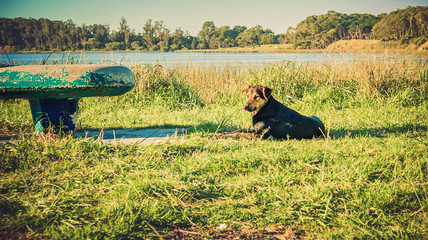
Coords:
276,15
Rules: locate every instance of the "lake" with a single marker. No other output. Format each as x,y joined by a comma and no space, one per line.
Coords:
171,59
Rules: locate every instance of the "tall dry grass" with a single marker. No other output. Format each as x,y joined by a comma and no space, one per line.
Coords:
380,76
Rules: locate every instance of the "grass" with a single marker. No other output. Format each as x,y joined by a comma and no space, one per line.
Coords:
366,179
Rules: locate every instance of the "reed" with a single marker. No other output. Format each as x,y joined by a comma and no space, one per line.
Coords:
381,76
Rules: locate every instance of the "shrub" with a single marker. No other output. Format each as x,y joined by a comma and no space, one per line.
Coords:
155,48
115,46
135,45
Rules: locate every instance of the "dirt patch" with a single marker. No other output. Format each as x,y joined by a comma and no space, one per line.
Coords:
273,232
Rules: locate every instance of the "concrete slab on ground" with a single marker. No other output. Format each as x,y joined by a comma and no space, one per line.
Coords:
141,136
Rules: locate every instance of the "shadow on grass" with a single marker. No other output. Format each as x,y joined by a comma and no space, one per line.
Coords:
9,209
210,127
380,132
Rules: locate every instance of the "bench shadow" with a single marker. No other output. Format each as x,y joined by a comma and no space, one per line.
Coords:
380,132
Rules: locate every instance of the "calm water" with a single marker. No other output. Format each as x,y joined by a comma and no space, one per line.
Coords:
174,59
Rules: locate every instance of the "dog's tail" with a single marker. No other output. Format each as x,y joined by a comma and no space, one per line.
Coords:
320,126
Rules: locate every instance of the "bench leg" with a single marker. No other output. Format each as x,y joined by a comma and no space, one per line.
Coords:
58,113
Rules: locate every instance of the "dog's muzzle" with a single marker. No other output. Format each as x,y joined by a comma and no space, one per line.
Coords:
247,107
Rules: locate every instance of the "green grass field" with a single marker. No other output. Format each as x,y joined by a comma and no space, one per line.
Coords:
366,179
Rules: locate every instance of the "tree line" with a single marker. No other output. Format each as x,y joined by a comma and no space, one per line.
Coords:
408,25
22,34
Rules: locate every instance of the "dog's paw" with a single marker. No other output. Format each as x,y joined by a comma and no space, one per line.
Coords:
221,135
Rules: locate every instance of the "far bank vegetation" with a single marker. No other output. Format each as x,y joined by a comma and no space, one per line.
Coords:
405,28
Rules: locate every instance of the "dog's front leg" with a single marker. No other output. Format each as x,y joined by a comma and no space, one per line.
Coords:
263,129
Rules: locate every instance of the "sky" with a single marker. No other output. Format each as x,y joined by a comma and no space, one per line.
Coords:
189,15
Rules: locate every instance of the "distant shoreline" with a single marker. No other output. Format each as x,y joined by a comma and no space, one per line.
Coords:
342,46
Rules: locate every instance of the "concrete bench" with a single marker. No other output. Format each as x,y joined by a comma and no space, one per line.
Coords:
54,90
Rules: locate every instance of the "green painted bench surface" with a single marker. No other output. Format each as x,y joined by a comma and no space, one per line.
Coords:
64,81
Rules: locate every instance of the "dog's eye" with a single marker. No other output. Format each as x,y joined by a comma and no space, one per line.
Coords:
256,97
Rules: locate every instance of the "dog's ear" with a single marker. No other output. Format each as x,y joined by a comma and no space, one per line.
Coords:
245,90
267,91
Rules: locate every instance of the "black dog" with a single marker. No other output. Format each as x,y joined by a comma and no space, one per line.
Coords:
271,119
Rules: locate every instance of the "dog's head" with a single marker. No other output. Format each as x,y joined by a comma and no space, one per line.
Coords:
257,97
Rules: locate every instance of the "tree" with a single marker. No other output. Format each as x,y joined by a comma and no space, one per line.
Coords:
124,32
403,24
288,37
322,30
194,43
256,36
206,34
83,34
149,34
267,38
100,34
